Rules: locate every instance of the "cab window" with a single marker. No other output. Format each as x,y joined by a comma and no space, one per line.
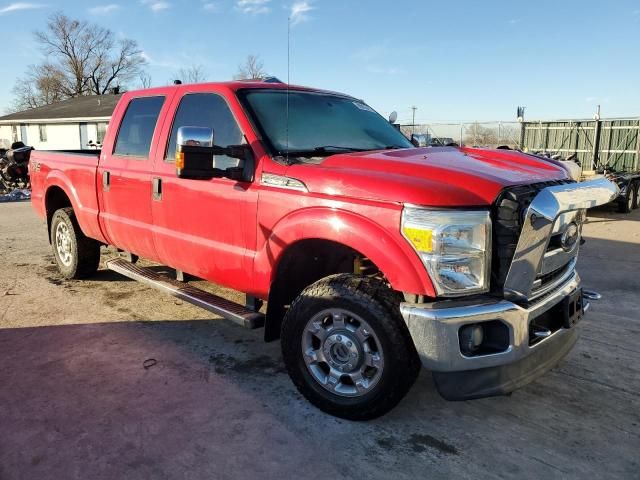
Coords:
137,127
207,110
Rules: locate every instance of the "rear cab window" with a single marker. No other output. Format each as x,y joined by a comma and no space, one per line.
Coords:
137,127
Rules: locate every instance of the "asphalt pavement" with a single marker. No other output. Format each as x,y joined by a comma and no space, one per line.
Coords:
108,379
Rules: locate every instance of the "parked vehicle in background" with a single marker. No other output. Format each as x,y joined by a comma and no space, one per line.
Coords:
374,257
628,181
14,167
629,184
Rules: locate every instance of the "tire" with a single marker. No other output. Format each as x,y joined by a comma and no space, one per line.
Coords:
636,195
347,316
77,256
625,204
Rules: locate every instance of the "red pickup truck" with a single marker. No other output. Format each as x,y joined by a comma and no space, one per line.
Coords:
374,257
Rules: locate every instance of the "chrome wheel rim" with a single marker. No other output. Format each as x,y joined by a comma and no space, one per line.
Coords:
63,244
630,200
342,353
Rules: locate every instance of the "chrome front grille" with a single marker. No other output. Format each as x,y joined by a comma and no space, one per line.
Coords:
529,260
508,215
534,265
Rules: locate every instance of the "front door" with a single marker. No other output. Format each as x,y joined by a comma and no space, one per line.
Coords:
124,179
203,227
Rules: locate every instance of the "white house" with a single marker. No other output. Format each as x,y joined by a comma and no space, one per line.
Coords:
67,125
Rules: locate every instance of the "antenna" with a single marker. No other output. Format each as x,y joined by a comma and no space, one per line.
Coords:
288,79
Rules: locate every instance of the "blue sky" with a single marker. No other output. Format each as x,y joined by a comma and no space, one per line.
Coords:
455,61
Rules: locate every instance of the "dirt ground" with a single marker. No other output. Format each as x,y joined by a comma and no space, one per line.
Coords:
76,401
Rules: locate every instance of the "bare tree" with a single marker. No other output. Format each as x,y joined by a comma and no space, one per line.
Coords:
191,74
41,85
476,134
145,80
81,59
251,69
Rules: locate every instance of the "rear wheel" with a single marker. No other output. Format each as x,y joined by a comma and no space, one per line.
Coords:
636,195
77,256
625,204
347,348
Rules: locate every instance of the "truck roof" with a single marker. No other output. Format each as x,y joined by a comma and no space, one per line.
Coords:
235,85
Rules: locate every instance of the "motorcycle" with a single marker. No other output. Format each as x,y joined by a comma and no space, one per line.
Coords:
14,167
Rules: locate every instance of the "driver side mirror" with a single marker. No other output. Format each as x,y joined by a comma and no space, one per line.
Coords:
195,152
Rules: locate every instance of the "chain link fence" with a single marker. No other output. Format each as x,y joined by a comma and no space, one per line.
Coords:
482,134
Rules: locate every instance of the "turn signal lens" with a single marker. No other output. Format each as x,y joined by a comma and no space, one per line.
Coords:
421,239
179,160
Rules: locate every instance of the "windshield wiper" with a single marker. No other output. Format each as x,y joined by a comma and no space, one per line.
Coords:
320,151
334,148
326,150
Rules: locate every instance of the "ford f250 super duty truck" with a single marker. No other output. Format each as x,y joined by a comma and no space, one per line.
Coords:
374,257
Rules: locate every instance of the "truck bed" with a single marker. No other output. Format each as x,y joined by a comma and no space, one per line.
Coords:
85,152
74,172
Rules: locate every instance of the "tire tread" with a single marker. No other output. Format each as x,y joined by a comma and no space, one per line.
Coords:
380,301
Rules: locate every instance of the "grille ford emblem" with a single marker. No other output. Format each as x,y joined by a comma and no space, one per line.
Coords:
570,237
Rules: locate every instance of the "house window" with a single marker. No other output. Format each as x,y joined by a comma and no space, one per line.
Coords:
101,131
43,132
14,133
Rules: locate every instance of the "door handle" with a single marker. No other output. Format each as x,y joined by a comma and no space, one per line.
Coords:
106,181
157,188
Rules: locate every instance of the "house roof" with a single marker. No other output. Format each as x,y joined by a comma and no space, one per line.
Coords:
86,107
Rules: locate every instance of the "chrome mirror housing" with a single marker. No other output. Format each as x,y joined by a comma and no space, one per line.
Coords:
194,137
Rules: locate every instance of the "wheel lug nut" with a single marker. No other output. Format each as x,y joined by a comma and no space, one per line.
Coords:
349,344
353,355
339,338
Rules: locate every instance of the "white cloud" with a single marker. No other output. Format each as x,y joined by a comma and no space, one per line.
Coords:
159,62
210,7
373,52
14,7
156,5
300,11
104,9
385,70
253,6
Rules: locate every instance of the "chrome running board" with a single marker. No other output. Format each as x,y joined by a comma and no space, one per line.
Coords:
200,298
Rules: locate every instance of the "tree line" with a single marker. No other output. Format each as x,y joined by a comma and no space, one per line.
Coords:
82,58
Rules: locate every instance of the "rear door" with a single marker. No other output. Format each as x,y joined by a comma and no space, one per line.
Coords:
204,227
124,176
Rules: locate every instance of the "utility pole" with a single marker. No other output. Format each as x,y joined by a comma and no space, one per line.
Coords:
413,122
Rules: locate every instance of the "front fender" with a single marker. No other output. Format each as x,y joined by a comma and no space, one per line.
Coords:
395,258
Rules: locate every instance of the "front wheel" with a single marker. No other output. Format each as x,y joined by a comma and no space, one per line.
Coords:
347,348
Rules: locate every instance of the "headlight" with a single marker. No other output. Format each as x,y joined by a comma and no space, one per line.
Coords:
455,247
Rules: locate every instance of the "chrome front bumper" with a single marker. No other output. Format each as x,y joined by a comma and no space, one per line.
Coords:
435,331
434,328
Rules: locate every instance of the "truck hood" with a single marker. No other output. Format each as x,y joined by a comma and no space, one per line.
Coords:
446,176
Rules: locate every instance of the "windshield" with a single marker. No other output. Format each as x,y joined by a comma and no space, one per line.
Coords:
319,123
